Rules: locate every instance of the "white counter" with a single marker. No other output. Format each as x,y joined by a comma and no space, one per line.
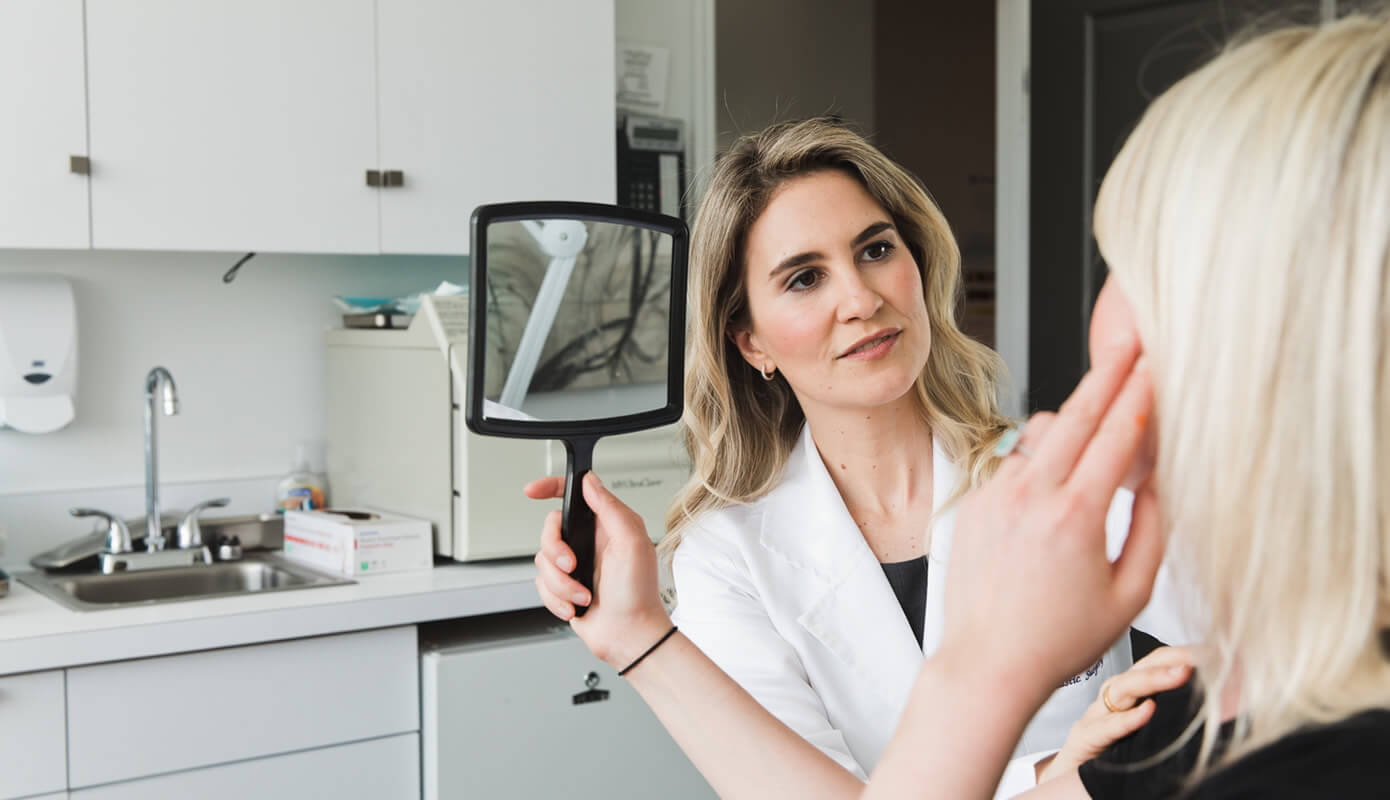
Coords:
37,633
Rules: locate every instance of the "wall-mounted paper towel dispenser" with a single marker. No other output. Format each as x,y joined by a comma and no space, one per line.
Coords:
38,352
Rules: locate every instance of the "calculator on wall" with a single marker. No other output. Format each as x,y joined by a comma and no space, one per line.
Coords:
651,164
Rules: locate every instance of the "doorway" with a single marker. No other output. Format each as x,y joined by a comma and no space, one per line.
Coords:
1095,67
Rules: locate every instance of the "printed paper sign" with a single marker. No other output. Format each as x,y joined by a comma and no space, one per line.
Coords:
642,77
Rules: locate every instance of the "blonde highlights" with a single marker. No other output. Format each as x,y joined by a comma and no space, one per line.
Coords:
1248,221
739,428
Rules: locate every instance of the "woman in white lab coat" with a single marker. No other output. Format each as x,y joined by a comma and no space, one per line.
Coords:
834,415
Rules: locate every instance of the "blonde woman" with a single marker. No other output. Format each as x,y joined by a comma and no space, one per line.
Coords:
834,413
1247,224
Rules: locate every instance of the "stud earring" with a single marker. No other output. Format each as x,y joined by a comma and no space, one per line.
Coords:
767,376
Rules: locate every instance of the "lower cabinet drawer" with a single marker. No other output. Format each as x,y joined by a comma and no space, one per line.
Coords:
132,719
33,750
375,770
516,706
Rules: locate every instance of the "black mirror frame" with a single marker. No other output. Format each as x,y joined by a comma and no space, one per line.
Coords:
477,330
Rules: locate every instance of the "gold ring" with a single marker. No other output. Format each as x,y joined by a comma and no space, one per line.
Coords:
1105,698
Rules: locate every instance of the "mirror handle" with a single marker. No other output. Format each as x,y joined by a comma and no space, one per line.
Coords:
577,525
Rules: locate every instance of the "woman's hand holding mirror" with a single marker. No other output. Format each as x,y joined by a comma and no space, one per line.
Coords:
628,615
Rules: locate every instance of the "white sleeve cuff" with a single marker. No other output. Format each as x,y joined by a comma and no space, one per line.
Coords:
1020,775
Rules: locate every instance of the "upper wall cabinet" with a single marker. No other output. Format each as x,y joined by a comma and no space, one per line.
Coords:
351,126
484,102
43,132
232,124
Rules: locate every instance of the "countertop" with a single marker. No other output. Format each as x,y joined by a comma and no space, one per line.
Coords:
37,633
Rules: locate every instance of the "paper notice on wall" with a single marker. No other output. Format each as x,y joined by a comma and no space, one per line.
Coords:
642,72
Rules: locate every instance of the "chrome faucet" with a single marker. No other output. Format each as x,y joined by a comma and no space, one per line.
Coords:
159,380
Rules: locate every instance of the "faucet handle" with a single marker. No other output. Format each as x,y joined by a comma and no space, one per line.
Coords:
190,533
117,534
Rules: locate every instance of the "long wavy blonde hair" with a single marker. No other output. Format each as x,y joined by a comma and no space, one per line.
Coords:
740,429
1248,221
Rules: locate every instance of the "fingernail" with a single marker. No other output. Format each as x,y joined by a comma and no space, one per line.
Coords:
1178,670
1142,420
580,598
597,479
565,563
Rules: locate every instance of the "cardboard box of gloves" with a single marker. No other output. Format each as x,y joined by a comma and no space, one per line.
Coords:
358,542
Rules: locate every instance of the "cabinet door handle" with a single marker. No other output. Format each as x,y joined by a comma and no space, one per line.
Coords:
373,178
393,178
79,165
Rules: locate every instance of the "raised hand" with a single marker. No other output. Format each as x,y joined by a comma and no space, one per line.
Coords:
627,616
1029,590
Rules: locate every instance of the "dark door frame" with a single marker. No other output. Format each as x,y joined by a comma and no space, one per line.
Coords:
1065,270
1060,288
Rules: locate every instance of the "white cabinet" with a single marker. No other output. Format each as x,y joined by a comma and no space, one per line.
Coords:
33,750
485,102
236,125
43,203
132,719
232,124
516,706
371,770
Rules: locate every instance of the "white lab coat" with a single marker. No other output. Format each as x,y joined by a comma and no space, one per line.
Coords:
786,597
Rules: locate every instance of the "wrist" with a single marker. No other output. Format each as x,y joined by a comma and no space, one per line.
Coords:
637,638
625,671
1012,693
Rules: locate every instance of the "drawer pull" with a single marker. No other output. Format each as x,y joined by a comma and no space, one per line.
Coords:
591,695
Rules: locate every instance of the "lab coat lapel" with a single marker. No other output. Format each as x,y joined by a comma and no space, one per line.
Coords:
945,477
849,606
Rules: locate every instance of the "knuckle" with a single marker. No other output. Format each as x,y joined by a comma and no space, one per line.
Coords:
1017,493
1080,404
1039,423
1077,504
1056,516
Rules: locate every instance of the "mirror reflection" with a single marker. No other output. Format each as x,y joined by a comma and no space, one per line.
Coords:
578,319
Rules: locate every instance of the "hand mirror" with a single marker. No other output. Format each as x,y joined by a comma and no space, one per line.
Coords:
576,331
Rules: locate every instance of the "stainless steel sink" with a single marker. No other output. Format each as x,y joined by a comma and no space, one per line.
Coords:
254,574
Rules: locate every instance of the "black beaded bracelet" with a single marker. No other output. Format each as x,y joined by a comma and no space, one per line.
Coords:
628,668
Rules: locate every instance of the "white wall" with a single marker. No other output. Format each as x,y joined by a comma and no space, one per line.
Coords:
686,29
1011,203
785,59
247,359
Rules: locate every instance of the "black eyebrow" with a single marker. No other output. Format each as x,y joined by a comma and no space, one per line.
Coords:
801,259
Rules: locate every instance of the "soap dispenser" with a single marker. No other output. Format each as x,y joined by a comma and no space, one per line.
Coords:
38,352
304,488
